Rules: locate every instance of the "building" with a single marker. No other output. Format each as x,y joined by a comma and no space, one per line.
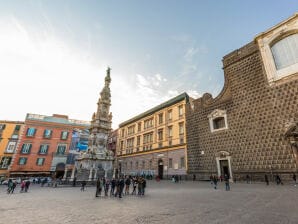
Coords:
154,142
250,128
9,139
44,145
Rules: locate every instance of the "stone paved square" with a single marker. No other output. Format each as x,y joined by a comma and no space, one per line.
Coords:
164,202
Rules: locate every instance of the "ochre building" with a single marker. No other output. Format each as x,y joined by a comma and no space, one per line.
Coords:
154,142
9,140
250,128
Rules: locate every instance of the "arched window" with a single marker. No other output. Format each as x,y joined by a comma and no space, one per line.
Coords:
285,51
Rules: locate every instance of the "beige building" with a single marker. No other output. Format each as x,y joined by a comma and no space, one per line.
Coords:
154,142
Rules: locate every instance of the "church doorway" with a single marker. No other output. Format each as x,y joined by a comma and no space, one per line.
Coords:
223,163
224,167
160,169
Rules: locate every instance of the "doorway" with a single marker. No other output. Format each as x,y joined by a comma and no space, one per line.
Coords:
224,168
160,169
60,168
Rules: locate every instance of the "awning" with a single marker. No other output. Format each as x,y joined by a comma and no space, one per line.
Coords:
29,173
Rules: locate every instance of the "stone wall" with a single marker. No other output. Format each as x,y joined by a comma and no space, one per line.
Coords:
257,116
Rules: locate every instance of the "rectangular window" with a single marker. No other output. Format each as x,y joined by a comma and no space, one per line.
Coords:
64,135
43,149
143,164
10,147
17,128
181,128
26,147
40,161
170,131
61,149
5,162
131,130
182,162
180,110
139,140
2,126
31,132
139,126
22,160
121,145
160,134
47,133
160,118
169,115
170,163
148,123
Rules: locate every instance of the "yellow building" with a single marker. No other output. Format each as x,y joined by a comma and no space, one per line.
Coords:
9,139
154,142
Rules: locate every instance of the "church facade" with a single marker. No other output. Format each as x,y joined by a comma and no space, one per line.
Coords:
251,127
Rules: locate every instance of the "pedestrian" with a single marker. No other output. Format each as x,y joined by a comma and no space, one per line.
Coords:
266,180
247,179
9,186
211,179
214,181
134,185
194,177
121,187
27,184
227,182
107,186
23,186
278,180
127,184
83,184
143,186
294,179
113,185
98,188
74,181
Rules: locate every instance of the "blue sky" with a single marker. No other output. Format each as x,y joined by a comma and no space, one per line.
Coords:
53,54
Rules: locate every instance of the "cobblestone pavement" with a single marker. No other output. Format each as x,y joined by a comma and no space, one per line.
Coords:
165,202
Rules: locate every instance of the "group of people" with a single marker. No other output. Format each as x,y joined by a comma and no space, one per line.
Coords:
118,187
11,185
214,180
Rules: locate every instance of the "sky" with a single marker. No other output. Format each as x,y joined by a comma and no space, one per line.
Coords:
54,54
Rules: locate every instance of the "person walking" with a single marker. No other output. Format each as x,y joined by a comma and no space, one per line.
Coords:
127,184
83,184
113,185
22,186
214,181
294,179
27,184
107,187
266,180
98,188
227,182
121,187
9,186
134,186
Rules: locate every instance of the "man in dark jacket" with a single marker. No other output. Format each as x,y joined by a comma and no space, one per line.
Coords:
121,187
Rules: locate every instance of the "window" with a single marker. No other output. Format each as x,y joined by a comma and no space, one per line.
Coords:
40,161
22,160
131,165
47,133
182,162
26,147
150,164
61,148
31,132
129,143
2,126
139,140
279,50
285,52
160,134
122,132
181,140
131,130
43,149
148,123
181,128
10,147
180,110
218,120
139,126
64,135
5,162
169,115
170,163
160,118
121,145
137,165
148,138
143,164
17,128
170,131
